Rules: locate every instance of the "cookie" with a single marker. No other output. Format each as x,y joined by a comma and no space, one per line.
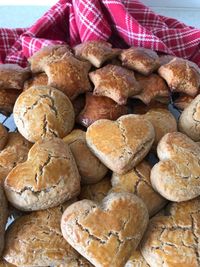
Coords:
177,175
140,59
121,144
90,168
48,177
3,136
100,107
115,82
108,232
163,122
183,101
96,52
96,192
3,217
137,181
46,54
136,260
173,239
36,240
7,100
189,121
181,76
42,112
38,79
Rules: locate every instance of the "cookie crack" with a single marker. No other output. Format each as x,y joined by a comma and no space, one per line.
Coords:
41,167
196,239
141,179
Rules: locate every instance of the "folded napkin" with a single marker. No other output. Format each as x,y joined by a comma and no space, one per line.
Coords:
124,23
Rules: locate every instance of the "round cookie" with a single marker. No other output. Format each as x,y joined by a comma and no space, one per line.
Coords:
189,121
3,218
43,111
96,192
90,168
36,240
137,181
3,136
106,233
173,239
177,175
163,122
48,177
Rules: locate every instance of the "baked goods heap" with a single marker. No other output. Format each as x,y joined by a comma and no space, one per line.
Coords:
97,153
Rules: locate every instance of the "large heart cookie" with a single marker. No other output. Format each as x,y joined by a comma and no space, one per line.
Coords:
177,175
121,144
106,233
173,239
48,177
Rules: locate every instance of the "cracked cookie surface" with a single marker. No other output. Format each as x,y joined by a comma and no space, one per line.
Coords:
115,82
90,167
177,175
36,240
106,233
121,144
137,181
140,59
181,76
42,112
173,239
97,52
3,217
48,177
189,121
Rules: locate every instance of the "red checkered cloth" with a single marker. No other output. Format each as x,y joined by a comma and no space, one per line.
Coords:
124,23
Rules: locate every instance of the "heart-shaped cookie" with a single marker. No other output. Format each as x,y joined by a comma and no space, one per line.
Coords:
177,175
173,239
48,177
121,144
106,233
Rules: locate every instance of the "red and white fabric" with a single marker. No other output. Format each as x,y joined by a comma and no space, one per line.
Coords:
124,23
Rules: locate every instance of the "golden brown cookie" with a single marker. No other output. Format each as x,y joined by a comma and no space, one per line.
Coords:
137,181
7,100
163,122
181,76
12,76
77,262
140,59
90,168
173,240
108,232
48,177
177,176
100,107
136,260
15,151
189,121
3,136
38,79
183,101
69,75
3,217
36,240
43,111
4,263
153,88
115,82
96,192
121,144
46,54
97,52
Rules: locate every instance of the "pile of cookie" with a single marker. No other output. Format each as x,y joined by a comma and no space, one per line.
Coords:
97,153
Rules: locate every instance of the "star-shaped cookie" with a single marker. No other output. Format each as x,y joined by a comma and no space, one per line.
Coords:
153,88
115,82
97,52
68,74
181,76
140,59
